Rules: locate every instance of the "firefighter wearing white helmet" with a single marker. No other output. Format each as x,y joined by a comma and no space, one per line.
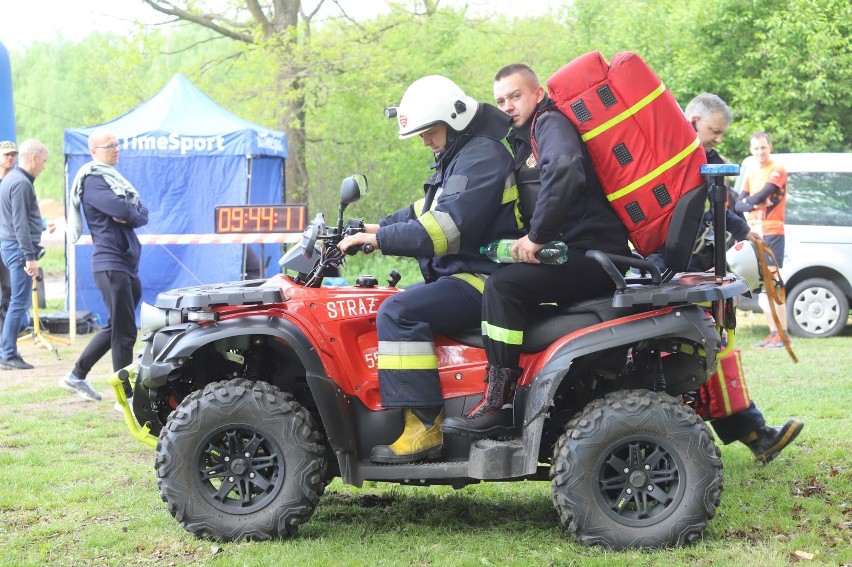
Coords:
469,200
431,100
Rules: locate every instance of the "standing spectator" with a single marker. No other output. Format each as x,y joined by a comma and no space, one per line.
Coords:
8,155
764,197
113,210
20,239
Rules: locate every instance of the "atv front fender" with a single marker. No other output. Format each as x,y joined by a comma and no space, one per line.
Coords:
180,341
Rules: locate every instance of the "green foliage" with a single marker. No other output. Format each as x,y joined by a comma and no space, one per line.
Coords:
53,91
347,130
782,66
64,84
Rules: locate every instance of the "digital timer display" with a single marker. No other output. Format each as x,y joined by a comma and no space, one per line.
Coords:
246,219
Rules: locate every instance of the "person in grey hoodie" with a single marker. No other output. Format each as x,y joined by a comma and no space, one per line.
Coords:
113,211
20,244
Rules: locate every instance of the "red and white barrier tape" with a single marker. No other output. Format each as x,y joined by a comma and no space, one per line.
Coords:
252,238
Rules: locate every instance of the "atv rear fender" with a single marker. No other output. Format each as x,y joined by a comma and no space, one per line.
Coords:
689,323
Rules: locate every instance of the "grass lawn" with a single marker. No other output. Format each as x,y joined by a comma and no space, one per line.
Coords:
76,489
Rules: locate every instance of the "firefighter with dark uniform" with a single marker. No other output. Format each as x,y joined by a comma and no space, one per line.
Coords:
569,205
470,200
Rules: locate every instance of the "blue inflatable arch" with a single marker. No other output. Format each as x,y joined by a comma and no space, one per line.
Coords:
7,105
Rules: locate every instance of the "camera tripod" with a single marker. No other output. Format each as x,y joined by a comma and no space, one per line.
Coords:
41,338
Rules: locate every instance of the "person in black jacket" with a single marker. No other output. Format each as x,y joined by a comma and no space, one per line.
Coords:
470,200
113,210
711,117
571,207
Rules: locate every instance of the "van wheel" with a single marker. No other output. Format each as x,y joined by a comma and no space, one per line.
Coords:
636,469
240,460
817,308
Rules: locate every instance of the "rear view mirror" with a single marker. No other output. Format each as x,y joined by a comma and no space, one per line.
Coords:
352,188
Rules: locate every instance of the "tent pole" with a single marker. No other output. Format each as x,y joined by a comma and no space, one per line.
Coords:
70,265
244,263
71,255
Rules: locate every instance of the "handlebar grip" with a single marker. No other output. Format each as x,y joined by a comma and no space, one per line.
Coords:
365,248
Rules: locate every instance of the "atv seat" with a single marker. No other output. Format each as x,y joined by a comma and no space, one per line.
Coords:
548,322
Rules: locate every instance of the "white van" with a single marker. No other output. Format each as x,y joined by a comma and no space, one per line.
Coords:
817,268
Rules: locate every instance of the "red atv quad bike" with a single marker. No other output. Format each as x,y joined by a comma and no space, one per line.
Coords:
257,394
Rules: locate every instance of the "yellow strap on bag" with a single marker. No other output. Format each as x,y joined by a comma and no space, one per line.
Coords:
774,290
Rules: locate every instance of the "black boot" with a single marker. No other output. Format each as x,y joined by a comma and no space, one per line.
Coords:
494,415
766,442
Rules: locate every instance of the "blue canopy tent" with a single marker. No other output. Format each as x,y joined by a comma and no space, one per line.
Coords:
186,155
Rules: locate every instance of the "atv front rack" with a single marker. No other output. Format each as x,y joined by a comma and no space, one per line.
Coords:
249,292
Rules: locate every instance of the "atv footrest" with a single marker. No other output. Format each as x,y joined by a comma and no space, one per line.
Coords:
492,459
411,473
489,459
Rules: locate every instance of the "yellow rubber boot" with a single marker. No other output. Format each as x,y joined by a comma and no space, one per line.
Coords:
418,441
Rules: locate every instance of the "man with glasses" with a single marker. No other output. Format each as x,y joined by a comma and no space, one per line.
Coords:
113,210
20,244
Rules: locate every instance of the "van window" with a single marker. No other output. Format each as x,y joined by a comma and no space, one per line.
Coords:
819,198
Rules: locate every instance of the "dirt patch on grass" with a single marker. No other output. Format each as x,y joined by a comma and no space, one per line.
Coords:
38,388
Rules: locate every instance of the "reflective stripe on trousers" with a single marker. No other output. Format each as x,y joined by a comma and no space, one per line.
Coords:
406,323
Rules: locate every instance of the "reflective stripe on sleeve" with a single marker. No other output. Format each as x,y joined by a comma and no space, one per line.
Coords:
443,232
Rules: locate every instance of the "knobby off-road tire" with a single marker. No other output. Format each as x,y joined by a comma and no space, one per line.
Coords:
636,469
240,460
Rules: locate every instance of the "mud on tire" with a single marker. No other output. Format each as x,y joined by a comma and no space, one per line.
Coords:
240,460
636,469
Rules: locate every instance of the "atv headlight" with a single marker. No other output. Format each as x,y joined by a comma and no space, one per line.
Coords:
202,316
153,318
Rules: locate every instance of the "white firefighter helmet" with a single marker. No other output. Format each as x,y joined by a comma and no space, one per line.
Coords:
430,100
743,261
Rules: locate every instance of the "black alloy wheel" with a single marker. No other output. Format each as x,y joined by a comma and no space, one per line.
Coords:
241,460
636,469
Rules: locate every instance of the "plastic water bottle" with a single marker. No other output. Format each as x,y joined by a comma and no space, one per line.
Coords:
500,251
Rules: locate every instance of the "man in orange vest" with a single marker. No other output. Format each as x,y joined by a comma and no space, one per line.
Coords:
763,197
